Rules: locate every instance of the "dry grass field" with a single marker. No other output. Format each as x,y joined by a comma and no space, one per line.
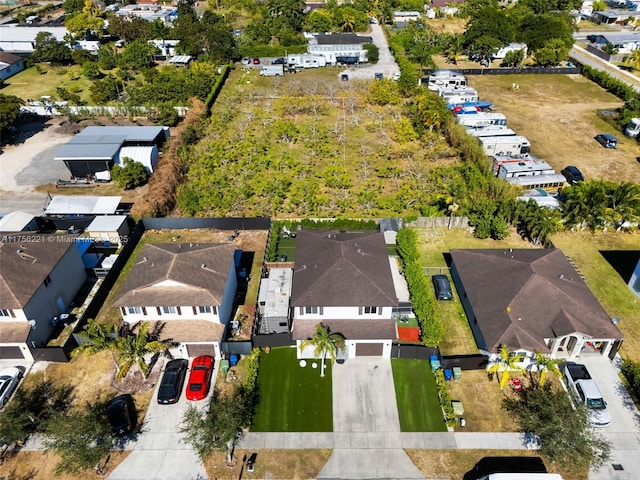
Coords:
558,114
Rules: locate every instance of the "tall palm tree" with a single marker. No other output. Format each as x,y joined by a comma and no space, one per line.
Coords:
635,59
132,347
623,204
324,343
98,337
504,365
543,365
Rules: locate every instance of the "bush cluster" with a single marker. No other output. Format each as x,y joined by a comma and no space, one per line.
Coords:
445,399
609,83
631,372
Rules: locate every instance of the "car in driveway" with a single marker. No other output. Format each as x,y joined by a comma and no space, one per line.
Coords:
199,378
442,287
256,61
9,380
172,381
607,140
279,61
572,174
122,415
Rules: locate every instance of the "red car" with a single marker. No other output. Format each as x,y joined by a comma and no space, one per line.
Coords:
199,378
256,61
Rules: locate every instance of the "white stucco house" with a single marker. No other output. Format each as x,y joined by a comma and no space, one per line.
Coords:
344,281
40,275
188,287
339,47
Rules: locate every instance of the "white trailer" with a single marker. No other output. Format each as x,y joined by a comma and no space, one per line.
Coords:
491,131
525,168
306,60
498,145
457,96
272,71
512,47
481,119
498,160
445,79
633,128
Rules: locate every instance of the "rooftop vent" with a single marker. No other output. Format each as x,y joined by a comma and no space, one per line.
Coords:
204,265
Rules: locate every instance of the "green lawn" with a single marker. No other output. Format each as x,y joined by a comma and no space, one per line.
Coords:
416,395
287,246
31,83
292,398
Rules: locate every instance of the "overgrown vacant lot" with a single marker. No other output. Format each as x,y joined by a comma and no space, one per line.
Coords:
558,114
309,144
35,82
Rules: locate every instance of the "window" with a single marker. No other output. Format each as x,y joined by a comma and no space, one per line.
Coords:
204,309
169,310
134,310
7,313
370,310
310,310
47,281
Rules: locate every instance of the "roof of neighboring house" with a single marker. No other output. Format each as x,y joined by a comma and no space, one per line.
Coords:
520,297
106,223
15,221
14,332
180,59
178,274
15,33
26,264
9,58
189,330
444,3
341,39
342,269
621,37
349,329
82,205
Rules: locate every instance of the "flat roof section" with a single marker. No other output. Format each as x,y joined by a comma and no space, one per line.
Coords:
82,205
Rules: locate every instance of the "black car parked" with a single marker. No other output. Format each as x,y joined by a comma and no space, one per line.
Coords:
278,61
122,415
172,381
442,287
572,174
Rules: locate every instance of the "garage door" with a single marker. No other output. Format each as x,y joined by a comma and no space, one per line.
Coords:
195,350
11,353
369,349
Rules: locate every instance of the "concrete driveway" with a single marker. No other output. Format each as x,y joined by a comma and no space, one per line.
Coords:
386,63
624,430
367,439
158,450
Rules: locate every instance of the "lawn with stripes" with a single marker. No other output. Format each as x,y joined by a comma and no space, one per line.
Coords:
292,398
416,395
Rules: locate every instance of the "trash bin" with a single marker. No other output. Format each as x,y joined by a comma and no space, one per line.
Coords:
448,374
233,360
457,373
344,77
435,365
224,364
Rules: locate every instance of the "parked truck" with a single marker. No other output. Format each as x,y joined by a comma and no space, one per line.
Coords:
498,145
272,71
586,392
633,128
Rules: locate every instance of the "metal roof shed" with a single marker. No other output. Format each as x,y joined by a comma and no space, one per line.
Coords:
113,229
18,222
82,205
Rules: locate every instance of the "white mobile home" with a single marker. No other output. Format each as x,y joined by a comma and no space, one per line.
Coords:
517,145
445,79
491,131
498,160
481,119
525,168
307,60
457,96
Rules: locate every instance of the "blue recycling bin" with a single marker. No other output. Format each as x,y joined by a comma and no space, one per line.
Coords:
233,360
448,374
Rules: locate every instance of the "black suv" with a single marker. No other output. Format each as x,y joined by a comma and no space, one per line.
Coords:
572,174
122,416
442,287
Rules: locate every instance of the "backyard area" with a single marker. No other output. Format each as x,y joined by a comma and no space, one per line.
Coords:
292,398
418,406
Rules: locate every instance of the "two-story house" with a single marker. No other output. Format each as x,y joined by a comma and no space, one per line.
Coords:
343,280
40,276
188,287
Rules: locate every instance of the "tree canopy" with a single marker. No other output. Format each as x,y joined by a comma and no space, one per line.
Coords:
9,110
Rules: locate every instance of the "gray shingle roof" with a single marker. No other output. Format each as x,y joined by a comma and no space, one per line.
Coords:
520,297
350,329
199,274
342,269
342,39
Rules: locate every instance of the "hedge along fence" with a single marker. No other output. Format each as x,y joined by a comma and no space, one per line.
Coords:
217,87
611,84
445,399
423,302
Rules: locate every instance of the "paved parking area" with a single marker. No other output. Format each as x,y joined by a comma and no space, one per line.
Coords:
386,63
158,450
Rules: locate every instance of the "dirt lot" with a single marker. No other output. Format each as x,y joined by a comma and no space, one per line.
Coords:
558,114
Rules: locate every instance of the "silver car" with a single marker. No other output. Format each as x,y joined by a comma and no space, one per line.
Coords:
9,380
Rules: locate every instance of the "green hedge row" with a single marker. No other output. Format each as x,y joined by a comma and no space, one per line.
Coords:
250,382
445,399
215,91
422,299
631,372
609,83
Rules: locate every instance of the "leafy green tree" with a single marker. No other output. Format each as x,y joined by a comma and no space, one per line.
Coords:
96,337
373,54
384,92
130,175
217,427
537,30
9,110
71,7
513,58
324,343
543,365
106,89
48,49
565,436
132,347
429,111
319,21
31,408
91,70
107,57
137,55
130,29
631,371
553,53
80,436
491,22
89,20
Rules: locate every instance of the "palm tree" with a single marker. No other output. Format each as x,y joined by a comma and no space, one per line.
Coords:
624,204
324,342
98,337
635,59
543,365
505,364
132,347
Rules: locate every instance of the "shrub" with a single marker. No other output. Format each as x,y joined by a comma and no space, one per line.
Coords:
131,175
